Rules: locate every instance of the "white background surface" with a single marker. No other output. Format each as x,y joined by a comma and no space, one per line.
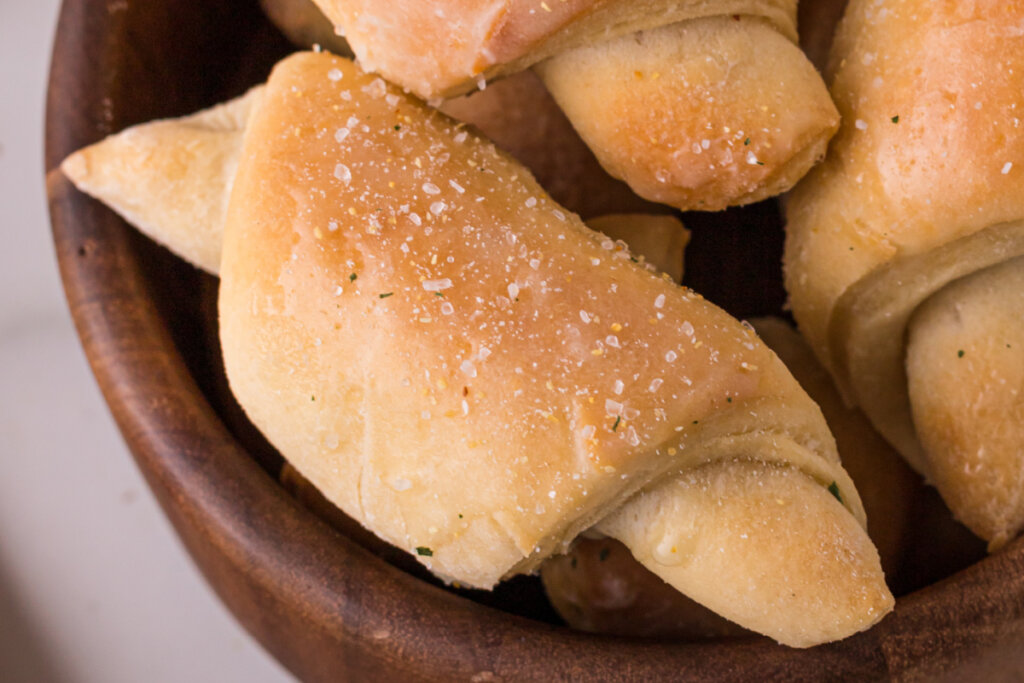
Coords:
94,586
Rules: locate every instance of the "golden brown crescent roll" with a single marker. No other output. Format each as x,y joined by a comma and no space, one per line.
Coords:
922,192
463,367
700,104
598,586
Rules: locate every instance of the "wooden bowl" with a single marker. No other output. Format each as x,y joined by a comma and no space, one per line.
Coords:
330,605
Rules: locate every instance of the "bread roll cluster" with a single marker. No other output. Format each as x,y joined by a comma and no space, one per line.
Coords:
415,315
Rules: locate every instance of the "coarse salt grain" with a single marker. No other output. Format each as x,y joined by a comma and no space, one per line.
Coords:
437,208
377,88
431,188
335,74
341,134
437,285
342,173
660,301
1007,167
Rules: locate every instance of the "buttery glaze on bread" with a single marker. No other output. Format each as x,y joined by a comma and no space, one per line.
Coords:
923,188
698,104
474,375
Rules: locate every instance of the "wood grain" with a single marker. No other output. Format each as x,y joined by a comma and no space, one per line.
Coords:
325,606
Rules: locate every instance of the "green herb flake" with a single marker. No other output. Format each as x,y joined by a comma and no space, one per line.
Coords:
833,488
438,293
617,421
352,277
960,353
746,142
728,399
460,515
603,555
398,128
896,119
385,295
424,551
312,398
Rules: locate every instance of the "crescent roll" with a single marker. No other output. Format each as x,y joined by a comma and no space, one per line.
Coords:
904,249
700,104
462,366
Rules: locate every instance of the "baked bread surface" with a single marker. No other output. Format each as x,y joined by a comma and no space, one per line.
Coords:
453,359
445,48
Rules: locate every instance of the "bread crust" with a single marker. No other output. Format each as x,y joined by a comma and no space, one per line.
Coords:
443,49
